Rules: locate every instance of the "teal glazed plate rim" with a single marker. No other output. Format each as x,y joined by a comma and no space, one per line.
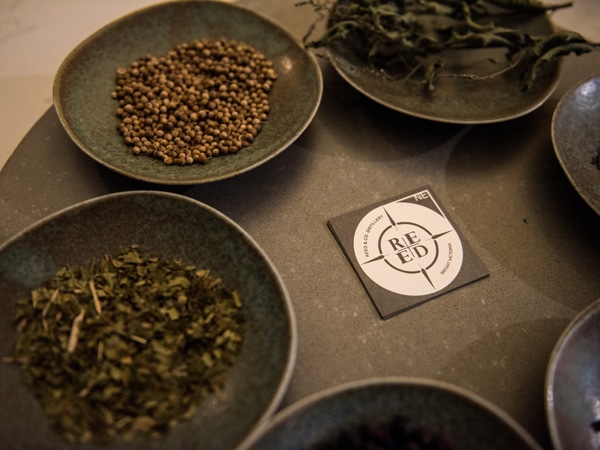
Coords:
464,419
456,99
84,82
571,385
169,226
576,138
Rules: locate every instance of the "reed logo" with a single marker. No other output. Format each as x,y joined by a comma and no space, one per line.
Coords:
409,246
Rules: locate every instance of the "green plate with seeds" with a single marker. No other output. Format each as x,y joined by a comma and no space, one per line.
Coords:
86,79
168,226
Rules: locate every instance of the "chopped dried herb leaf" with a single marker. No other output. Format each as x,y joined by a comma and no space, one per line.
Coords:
127,346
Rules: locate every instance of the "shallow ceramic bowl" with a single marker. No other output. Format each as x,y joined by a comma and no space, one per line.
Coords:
467,421
573,384
456,99
576,138
166,225
86,78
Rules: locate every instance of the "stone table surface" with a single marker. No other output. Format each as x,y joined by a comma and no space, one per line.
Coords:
501,183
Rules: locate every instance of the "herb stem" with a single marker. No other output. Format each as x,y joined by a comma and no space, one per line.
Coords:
100,352
97,305
50,302
138,339
75,329
133,337
21,325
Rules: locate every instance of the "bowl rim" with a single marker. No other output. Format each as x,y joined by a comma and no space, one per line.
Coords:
393,381
290,361
549,382
57,86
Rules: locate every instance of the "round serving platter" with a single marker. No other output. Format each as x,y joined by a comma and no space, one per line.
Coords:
86,78
168,226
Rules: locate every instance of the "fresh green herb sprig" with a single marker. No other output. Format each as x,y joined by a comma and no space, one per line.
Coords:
128,345
409,37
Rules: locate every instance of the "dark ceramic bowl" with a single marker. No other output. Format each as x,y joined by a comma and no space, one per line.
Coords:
455,98
465,420
166,225
576,138
573,384
86,78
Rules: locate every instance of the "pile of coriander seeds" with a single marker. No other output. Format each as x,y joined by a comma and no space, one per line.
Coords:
198,101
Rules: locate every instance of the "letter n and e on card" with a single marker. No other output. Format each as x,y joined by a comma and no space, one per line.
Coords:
406,251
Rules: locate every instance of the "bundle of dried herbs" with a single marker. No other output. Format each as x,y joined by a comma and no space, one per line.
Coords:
128,345
407,38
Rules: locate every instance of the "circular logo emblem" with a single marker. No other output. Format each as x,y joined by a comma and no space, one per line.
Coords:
408,248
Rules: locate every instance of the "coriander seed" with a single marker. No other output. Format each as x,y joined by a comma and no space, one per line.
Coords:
164,101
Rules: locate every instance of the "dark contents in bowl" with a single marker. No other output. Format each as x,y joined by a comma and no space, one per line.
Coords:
397,433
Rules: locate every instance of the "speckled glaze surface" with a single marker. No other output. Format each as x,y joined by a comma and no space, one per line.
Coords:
465,419
168,225
576,138
86,78
456,99
572,388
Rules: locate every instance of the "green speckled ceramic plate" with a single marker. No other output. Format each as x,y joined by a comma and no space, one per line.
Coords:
464,419
456,99
86,78
576,138
573,386
167,225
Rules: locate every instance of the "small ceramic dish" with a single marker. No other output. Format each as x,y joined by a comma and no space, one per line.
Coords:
576,138
573,384
462,419
455,98
86,78
169,226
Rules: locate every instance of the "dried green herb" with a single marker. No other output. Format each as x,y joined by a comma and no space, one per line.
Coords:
128,345
407,38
